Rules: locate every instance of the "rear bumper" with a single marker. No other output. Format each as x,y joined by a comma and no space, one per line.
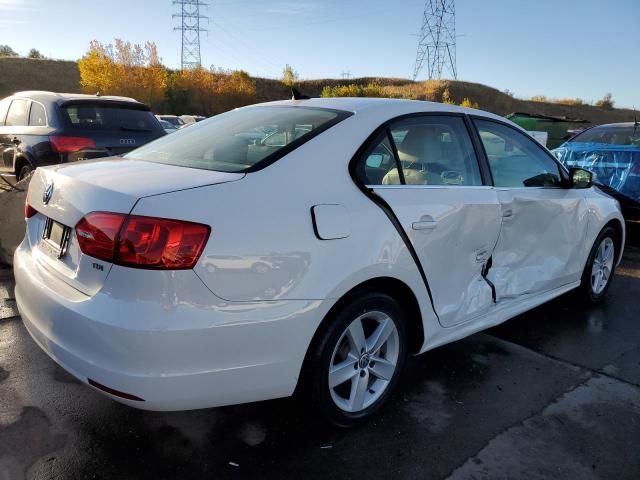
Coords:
165,338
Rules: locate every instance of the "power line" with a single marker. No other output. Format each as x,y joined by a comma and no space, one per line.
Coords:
190,27
437,43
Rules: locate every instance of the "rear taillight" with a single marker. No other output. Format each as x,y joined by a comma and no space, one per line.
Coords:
64,144
97,234
143,242
29,211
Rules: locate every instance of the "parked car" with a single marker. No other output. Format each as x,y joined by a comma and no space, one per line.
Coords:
612,152
168,127
46,128
191,118
172,119
209,269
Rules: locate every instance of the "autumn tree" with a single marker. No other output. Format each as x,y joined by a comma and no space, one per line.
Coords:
124,68
211,91
289,76
605,102
33,53
7,51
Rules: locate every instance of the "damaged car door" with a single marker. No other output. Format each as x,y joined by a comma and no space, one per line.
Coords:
425,169
543,222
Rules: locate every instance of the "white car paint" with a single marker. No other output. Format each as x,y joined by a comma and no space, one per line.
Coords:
226,332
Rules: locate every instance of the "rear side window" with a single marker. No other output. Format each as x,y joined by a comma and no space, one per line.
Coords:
4,108
113,117
18,113
431,150
37,116
241,140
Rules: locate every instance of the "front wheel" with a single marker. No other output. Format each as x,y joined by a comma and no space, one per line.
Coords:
357,360
600,266
24,172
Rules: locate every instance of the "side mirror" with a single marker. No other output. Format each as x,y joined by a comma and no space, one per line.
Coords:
580,178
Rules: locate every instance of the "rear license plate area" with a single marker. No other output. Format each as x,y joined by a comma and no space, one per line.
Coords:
55,238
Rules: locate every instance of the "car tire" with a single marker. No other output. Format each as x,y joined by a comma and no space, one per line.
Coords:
600,266
369,378
24,172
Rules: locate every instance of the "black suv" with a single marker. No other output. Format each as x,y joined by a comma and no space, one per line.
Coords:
46,128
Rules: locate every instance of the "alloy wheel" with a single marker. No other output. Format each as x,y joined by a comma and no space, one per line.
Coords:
364,361
602,265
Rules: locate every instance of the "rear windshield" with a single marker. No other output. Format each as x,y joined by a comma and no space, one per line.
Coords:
99,116
241,140
610,135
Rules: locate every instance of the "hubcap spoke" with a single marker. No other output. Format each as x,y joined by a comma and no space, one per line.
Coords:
382,368
355,333
338,374
358,391
380,335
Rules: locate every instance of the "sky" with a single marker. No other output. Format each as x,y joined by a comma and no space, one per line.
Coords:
556,48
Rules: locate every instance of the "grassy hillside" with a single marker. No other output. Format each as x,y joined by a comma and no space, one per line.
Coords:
30,74
62,76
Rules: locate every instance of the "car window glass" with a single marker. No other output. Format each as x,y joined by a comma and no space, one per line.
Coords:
240,139
378,164
516,160
17,113
98,116
436,150
4,107
37,116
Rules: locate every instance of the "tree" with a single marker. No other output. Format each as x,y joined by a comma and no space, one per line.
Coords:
7,51
289,76
606,101
210,92
33,53
466,102
126,69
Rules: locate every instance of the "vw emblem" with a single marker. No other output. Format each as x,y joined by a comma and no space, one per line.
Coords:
48,193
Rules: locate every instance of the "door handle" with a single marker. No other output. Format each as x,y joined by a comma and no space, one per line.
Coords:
507,213
424,225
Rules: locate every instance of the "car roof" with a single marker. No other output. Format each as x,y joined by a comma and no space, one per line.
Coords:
621,124
382,106
42,95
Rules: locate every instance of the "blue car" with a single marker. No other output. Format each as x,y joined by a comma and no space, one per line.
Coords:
612,152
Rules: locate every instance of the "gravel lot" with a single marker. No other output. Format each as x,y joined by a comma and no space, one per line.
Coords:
553,393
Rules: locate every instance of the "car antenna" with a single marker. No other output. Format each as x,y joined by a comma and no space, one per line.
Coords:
635,118
296,95
97,94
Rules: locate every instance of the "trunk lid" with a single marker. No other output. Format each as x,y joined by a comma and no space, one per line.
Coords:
112,185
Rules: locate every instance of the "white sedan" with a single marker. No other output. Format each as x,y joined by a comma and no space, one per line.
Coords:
211,267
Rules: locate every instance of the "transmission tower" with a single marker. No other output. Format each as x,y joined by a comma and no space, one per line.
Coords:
437,44
190,27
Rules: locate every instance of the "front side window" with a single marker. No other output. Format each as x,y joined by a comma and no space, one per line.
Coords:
431,150
18,113
516,160
239,140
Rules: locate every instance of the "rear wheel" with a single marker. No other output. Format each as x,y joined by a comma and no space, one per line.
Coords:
357,360
600,266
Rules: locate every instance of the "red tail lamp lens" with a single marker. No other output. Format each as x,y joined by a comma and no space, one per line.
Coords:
143,242
63,144
97,234
29,211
